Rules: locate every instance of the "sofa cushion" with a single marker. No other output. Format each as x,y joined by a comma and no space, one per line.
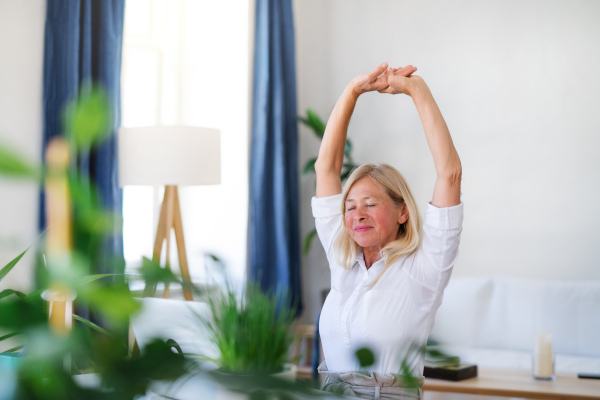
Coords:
465,305
506,313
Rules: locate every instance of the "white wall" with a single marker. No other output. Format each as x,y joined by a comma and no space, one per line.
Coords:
21,63
518,85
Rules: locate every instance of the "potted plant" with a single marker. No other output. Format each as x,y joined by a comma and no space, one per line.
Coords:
252,332
45,362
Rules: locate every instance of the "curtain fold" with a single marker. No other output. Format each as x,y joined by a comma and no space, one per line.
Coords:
274,231
83,42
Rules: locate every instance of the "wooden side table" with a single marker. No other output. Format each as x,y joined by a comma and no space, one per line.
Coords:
519,383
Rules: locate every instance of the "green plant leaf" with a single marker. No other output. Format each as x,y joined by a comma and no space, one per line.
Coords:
409,379
308,241
435,353
6,269
348,148
14,165
18,314
114,303
35,295
157,362
99,221
9,336
309,167
91,325
67,270
304,121
91,278
316,123
440,357
90,216
218,262
153,273
365,357
13,350
87,118
8,292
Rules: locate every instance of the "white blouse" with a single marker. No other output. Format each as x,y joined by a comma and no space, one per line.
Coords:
400,309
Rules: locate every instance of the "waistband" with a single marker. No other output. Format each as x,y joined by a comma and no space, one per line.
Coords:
372,385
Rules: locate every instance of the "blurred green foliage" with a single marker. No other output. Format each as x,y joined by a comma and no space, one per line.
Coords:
14,165
41,372
50,360
87,120
252,333
365,357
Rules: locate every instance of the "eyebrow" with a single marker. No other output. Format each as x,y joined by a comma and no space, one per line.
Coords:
364,198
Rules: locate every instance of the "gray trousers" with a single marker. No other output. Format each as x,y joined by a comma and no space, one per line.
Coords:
370,385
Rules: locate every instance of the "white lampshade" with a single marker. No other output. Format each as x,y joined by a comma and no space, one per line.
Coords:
169,155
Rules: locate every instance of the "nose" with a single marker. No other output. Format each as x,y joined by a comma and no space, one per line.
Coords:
361,213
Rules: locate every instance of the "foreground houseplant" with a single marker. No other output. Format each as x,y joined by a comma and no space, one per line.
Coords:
253,333
47,364
52,352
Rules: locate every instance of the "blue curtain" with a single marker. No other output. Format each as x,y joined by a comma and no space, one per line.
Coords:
274,232
83,41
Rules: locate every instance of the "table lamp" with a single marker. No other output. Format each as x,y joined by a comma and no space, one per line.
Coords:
171,156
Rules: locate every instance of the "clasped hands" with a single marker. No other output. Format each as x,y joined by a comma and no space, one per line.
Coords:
385,80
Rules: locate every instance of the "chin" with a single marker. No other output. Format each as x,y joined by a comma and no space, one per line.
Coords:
365,243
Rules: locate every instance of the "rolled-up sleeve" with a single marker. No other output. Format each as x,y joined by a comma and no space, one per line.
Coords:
448,218
328,220
438,253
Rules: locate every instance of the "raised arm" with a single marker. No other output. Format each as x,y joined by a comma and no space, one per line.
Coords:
328,166
331,154
446,192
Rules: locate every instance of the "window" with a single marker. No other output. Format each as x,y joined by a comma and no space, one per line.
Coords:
186,62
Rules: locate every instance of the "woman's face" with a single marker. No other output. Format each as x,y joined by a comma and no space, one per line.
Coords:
372,218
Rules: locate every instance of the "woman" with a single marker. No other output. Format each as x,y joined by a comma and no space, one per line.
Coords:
387,273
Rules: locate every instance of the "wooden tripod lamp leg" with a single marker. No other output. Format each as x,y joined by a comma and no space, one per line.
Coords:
170,199
161,235
183,264
170,218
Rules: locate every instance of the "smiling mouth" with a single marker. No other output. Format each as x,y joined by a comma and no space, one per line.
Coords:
362,228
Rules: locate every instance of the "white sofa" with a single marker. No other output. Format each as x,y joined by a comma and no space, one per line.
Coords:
492,322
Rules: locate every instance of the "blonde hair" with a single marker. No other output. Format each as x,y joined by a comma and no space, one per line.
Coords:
409,234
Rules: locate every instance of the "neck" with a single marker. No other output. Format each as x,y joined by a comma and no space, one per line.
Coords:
371,254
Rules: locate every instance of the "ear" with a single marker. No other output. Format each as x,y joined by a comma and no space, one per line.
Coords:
403,217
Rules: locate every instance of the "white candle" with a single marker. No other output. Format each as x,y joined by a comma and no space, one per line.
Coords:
543,365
